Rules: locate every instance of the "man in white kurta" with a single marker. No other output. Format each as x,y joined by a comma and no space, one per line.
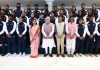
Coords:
48,41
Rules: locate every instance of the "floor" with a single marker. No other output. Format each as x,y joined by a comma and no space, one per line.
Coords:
48,63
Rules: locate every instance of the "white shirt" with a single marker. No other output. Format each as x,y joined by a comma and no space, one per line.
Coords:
60,28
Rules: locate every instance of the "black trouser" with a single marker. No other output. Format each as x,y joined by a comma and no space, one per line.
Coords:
90,45
2,48
11,44
27,42
22,44
97,44
79,45
41,36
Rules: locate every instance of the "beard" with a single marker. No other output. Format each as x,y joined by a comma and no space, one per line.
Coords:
47,22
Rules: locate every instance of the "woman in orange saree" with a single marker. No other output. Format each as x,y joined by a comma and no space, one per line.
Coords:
34,31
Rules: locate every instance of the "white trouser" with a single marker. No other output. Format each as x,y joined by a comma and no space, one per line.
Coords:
50,50
70,45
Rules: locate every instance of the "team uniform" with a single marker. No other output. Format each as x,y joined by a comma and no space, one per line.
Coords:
81,32
11,41
91,30
97,37
21,37
2,43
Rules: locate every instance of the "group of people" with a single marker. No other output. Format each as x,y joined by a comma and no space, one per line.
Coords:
77,32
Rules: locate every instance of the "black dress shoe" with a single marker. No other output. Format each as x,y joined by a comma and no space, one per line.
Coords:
51,55
58,55
62,55
96,55
2,55
45,55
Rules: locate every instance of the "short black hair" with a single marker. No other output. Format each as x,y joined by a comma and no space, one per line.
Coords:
51,12
41,13
18,3
46,4
28,5
10,15
62,4
81,18
94,4
59,16
54,6
7,5
82,4
36,5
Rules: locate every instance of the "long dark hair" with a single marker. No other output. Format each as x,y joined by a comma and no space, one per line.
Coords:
32,22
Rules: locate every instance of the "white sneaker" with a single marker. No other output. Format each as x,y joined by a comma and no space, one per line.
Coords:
19,54
8,54
23,54
81,54
14,54
77,55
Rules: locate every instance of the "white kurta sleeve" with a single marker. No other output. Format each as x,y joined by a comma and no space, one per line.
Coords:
56,20
25,29
52,30
14,28
67,28
75,19
43,31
